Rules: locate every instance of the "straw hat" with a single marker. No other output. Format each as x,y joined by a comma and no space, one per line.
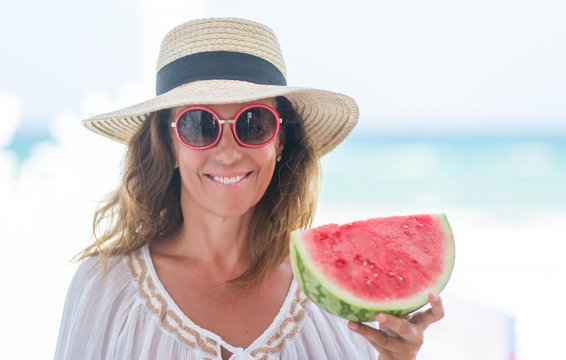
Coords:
228,60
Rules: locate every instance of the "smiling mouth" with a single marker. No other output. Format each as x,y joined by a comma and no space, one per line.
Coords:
228,180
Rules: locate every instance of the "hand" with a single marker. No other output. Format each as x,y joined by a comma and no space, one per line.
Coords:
400,338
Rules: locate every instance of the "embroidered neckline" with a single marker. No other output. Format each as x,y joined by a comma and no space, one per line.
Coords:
283,328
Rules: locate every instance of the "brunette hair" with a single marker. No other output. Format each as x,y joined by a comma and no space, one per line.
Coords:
146,206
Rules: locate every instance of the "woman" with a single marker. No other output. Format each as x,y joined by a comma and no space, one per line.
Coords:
192,248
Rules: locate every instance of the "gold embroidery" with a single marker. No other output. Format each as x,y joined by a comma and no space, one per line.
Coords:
132,267
296,314
147,280
157,304
172,322
192,332
157,297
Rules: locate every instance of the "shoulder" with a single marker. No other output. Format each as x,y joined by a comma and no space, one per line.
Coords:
98,303
96,278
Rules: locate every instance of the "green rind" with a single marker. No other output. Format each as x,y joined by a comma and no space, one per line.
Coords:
338,302
450,253
320,295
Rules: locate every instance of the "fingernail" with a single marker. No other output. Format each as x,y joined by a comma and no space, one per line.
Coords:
434,297
353,325
380,317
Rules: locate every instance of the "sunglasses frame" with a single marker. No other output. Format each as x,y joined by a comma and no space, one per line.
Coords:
232,123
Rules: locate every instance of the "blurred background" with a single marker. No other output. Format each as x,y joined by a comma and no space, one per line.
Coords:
463,112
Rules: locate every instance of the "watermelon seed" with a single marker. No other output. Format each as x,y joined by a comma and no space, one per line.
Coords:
375,275
368,283
400,278
365,263
421,225
406,226
371,266
391,273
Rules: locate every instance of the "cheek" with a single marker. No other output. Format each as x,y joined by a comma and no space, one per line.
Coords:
267,161
188,161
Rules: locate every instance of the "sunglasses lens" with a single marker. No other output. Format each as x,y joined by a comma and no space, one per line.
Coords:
198,128
256,126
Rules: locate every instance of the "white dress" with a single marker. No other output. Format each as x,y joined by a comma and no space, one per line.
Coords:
127,314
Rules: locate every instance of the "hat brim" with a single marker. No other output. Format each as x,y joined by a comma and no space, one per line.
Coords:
328,116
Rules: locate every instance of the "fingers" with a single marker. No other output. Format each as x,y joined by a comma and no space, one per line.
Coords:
382,341
400,338
425,318
403,329
436,306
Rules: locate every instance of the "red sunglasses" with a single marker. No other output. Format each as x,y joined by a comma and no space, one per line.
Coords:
199,127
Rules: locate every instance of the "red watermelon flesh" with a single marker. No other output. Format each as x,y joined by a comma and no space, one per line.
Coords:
383,264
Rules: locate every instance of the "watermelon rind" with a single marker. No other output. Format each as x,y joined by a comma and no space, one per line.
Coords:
337,301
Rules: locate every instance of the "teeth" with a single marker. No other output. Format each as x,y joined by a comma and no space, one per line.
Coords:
228,180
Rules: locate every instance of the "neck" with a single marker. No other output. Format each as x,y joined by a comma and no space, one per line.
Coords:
219,240
212,241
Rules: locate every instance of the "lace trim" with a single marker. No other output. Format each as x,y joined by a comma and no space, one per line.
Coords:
173,322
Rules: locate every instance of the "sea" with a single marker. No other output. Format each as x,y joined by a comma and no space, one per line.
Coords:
505,197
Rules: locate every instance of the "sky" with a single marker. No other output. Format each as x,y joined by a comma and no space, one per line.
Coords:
482,67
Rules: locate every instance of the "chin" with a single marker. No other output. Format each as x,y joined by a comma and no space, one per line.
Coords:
233,210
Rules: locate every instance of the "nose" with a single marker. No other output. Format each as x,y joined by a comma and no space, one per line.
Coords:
227,150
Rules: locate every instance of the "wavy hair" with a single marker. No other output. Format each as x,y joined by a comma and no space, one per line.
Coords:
146,206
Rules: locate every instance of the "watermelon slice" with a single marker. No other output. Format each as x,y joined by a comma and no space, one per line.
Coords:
386,264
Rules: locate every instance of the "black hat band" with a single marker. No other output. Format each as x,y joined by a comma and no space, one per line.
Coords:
224,65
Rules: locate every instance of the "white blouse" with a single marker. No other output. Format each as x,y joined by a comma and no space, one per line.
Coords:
128,314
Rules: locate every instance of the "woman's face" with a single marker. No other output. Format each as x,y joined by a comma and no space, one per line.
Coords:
228,179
